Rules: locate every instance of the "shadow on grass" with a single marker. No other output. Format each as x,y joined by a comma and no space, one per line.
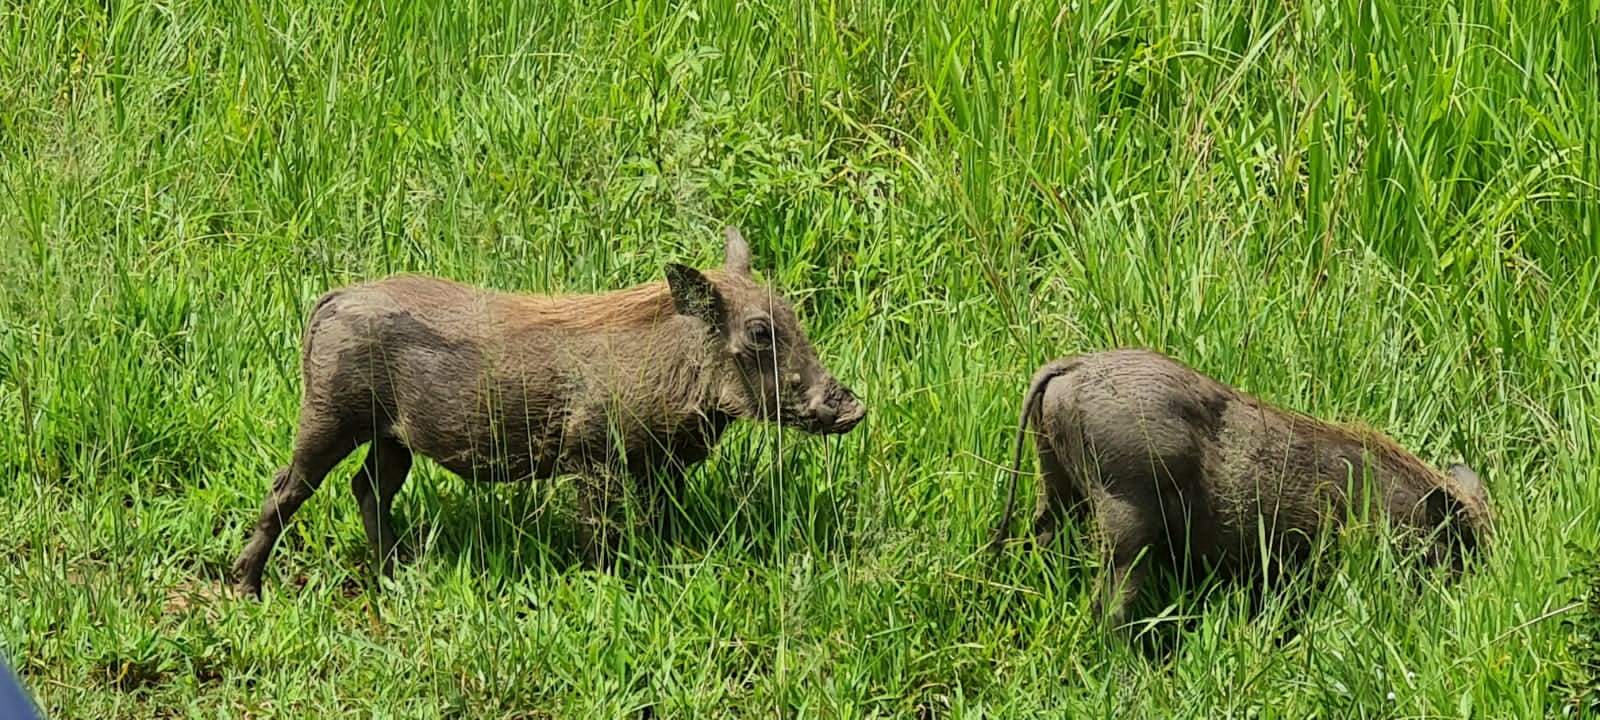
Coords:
1170,607
508,531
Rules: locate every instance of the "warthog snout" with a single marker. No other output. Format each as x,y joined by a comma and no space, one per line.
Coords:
832,410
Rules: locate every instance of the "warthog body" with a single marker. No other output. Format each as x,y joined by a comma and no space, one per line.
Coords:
634,385
1185,469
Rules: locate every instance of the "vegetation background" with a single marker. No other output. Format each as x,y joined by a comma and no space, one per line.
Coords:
1375,210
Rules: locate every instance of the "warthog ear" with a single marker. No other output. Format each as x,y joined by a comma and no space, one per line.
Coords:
1468,479
694,295
737,252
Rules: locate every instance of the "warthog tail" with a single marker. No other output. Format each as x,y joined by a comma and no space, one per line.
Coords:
1030,408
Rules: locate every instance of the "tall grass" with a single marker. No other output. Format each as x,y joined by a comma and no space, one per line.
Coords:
1364,210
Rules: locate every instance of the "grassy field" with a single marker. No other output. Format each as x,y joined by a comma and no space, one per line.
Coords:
1384,211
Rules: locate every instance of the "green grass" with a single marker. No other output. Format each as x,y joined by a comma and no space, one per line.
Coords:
1385,211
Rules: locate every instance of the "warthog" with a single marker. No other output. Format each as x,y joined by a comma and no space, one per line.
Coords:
634,386
1189,471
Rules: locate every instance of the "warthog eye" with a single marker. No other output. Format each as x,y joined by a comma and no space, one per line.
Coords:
758,334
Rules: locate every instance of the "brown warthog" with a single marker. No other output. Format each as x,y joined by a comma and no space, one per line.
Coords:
1188,470
633,385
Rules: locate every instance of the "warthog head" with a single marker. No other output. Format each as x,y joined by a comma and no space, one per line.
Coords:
763,367
1467,508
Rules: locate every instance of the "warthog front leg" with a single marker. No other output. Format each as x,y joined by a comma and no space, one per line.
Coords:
667,491
600,515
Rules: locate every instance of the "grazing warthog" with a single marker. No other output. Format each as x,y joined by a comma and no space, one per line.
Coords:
1187,470
633,385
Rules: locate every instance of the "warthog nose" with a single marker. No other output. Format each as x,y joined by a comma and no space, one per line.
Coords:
833,409
851,411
